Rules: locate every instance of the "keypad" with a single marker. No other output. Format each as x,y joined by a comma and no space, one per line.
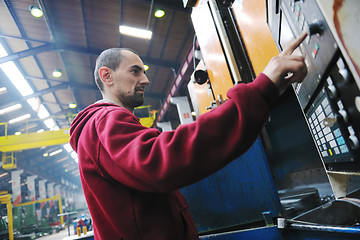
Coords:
328,138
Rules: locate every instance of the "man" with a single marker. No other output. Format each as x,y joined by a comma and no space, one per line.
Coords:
130,174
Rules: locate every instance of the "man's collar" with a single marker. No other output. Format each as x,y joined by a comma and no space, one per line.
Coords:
106,101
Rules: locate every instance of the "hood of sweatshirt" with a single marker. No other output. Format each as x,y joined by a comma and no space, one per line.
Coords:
82,119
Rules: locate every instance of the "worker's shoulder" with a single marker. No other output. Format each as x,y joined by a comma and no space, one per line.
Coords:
113,112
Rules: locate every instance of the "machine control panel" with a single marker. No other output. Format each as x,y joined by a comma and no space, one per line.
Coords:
328,94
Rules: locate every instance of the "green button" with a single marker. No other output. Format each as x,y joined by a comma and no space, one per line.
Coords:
317,47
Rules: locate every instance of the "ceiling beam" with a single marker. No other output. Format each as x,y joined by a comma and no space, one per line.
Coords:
66,47
22,38
37,94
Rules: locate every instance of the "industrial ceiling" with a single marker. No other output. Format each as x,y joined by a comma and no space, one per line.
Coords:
69,36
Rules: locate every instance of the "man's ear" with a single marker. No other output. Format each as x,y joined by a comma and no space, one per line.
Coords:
105,76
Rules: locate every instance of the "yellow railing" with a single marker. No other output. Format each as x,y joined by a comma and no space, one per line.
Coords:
9,160
6,199
56,197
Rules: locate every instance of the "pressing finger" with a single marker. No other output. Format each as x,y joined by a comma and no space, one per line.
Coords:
291,48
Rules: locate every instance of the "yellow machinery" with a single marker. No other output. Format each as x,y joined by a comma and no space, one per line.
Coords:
56,198
146,115
11,143
6,199
9,160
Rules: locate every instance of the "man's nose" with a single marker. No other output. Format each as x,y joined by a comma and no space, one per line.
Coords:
145,80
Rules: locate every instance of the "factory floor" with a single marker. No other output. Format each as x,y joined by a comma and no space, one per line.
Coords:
58,236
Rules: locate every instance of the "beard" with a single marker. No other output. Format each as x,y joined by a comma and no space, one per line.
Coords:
132,101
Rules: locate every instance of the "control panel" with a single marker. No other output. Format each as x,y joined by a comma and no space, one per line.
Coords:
328,95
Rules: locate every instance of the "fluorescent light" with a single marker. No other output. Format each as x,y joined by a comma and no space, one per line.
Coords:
18,119
4,174
3,90
46,154
55,152
62,159
10,109
40,131
146,67
135,32
18,133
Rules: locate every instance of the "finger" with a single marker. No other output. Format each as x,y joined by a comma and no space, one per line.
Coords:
291,48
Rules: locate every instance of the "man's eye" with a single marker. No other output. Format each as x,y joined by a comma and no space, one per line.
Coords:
135,71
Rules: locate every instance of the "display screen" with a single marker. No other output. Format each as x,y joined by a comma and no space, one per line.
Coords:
286,35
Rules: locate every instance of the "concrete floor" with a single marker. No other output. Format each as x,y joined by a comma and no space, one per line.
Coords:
58,236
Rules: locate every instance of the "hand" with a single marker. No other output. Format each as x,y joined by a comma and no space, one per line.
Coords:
286,68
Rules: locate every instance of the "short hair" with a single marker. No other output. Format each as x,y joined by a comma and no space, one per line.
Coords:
110,58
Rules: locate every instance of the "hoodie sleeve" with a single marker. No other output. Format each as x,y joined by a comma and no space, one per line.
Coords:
147,160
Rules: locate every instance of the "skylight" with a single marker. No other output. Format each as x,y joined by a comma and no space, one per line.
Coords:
24,88
18,80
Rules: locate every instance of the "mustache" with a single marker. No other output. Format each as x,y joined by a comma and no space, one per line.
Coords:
140,88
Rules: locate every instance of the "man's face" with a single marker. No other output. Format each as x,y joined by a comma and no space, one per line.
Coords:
130,81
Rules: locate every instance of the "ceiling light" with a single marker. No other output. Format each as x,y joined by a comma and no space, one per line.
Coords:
159,13
10,109
4,174
36,11
57,73
72,105
21,118
62,159
45,154
40,130
3,90
135,32
18,133
146,67
55,152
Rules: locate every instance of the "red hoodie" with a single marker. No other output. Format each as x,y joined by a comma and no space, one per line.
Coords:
130,174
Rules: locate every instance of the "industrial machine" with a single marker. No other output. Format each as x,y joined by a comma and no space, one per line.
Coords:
300,179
